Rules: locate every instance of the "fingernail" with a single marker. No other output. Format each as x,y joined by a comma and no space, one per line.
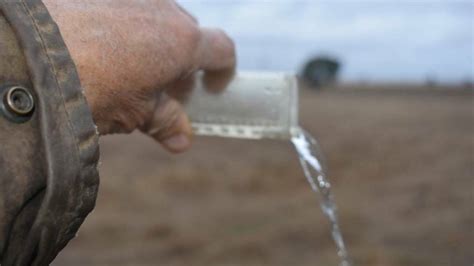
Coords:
177,143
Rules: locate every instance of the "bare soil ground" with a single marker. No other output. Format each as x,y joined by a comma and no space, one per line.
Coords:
401,162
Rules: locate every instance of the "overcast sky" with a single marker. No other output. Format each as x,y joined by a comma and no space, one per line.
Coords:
376,39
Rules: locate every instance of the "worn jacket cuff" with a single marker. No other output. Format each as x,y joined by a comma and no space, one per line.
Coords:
48,159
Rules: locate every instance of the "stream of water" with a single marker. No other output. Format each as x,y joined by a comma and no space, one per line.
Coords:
310,159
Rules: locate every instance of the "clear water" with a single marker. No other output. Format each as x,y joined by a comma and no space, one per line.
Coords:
310,159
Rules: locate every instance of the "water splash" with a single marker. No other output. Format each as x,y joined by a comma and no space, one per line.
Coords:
310,159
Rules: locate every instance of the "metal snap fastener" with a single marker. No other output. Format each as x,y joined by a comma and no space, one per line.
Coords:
19,101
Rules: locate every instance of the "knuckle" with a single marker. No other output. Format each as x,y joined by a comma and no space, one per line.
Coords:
225,41
188,38
190,35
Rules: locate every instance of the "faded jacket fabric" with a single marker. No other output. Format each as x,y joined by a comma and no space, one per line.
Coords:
48,141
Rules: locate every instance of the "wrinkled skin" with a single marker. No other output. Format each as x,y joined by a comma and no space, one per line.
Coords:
132,54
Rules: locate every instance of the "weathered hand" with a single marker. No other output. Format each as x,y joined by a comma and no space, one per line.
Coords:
129,54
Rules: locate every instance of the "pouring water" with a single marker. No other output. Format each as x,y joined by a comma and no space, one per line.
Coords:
308,151
265,105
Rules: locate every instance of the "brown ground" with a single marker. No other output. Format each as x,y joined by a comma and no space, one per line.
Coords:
401,163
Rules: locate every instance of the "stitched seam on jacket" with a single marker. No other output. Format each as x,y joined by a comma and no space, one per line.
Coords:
52,68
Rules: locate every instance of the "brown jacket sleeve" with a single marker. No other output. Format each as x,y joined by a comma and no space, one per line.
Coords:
48,141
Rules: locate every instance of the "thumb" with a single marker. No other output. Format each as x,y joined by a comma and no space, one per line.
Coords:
169,125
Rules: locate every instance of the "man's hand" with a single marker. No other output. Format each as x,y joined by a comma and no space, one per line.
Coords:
129,53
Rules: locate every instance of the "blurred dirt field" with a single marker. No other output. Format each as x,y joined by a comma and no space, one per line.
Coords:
400,160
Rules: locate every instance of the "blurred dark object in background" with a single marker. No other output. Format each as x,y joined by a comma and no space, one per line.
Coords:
320,71
468,84
431,81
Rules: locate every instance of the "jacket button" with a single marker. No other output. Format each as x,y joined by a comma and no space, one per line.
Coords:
18,103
